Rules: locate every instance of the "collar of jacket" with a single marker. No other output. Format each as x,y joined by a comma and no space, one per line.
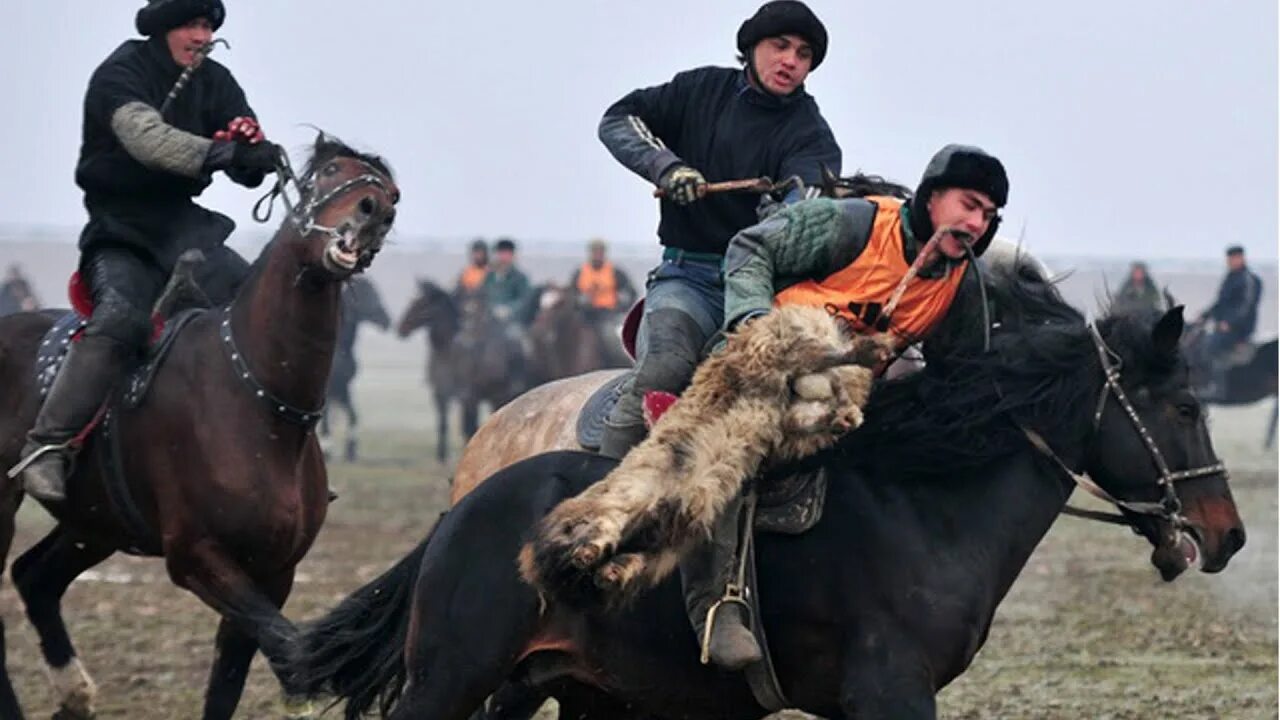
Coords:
757,96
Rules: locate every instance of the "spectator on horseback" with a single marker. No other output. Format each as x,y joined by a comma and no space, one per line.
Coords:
471,280
1233,316
849,256
16,294
1139,290
148,148
603,289
507,289
713,124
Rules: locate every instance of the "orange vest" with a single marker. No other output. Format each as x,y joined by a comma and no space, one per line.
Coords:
858,291
473,277
600,287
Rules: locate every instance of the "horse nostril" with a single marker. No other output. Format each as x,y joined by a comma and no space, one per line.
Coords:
1234,540
391,218
367,206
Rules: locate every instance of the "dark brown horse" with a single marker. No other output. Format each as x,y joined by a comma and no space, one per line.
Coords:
472,357
567,339
220,458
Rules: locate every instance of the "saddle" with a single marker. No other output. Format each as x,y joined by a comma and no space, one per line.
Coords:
133,388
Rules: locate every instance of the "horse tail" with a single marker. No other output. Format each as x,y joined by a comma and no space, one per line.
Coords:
356,652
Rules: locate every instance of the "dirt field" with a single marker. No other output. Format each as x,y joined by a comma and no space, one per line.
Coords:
1088,630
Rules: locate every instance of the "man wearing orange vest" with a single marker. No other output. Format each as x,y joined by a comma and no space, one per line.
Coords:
602,288
472,278
848,256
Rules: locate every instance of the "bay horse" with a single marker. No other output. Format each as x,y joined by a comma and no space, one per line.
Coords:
566,341
220,460
360,304
933,507
471,359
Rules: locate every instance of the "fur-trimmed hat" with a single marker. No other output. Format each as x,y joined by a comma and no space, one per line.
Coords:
784,17
960,166
161,16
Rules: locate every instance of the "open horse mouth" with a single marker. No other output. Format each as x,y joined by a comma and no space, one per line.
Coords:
342,255
1173,557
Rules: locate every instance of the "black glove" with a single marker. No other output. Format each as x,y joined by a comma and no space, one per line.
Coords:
259,157
681,183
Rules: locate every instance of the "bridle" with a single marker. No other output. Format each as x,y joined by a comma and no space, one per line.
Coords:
303,213
1169,507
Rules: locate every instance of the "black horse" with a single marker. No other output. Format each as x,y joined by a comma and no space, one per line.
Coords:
360,304
1245,382
933,508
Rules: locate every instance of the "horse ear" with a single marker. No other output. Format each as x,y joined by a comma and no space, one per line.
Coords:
1168,331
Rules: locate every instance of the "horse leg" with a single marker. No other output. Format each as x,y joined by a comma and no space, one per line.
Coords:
470,417
42,575
353,420
886,683
1270,440
234,653
252,610
9,707
442,426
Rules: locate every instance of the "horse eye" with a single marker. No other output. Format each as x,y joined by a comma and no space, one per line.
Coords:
331,168
1188,411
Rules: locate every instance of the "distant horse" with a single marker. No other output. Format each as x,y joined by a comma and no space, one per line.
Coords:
933,508
360,304
472,359
567,339
224,473
1246,383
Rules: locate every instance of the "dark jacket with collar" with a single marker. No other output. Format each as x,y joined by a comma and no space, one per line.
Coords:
713,120
139,170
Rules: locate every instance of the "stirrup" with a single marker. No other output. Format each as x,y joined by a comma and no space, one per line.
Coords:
733,593
36,454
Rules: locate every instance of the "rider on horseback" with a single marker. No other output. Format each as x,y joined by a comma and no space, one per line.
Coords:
603,289
712,124
471,279
1234,316
848,256
139,169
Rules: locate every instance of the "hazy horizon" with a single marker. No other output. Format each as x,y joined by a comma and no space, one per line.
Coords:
1136,129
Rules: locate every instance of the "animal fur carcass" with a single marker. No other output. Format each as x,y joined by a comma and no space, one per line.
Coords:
785,386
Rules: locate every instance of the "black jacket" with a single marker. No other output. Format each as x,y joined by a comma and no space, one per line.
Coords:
143,207
713,120
1237,302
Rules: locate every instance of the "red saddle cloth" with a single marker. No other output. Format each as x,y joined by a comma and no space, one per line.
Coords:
82,302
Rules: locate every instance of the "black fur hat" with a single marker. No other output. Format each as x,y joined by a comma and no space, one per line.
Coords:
161,16
960,166
784,17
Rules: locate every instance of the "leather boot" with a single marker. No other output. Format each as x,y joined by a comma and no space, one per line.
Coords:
707,572
93,364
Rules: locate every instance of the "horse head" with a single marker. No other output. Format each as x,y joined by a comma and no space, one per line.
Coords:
431,307
346,207
1152,447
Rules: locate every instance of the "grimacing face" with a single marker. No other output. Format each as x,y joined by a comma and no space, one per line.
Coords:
782,63
969,211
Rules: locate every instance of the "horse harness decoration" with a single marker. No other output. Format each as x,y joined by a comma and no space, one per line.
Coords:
1169,507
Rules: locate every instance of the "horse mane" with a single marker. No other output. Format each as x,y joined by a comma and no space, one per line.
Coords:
968,407
328,147
860,185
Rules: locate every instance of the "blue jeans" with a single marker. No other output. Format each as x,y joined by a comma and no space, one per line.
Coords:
683,310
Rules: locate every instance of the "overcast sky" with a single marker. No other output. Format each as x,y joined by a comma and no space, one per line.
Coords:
1131,127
